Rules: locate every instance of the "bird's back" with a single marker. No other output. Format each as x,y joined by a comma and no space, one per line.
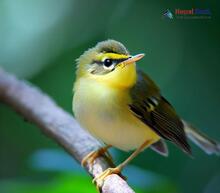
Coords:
155,111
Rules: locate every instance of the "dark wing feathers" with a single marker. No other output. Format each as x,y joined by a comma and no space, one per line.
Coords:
155,111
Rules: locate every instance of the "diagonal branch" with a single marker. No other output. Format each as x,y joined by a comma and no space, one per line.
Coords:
40,109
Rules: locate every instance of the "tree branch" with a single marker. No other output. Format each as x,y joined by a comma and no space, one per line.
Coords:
40,109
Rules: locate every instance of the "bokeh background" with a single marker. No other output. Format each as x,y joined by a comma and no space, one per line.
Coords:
40,40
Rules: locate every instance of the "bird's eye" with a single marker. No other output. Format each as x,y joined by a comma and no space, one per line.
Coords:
107,62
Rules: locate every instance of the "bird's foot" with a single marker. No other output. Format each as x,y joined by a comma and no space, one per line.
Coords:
99,180
90,158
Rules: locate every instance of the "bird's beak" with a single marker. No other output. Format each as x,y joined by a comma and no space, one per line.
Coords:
133,59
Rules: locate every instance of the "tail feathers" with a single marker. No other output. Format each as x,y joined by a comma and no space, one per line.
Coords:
207,144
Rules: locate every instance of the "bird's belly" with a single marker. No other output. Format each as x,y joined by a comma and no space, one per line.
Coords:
114,125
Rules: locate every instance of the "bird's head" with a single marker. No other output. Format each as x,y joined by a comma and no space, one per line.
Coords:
110,63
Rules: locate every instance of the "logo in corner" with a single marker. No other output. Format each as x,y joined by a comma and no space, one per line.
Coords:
168,14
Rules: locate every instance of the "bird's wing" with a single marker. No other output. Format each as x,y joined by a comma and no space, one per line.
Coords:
154,110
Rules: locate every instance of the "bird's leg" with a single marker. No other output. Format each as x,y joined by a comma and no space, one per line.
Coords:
94,154
100,178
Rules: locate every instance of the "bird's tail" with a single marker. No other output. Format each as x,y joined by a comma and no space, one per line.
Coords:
207,144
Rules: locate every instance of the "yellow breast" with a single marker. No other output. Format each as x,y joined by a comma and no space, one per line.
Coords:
105,113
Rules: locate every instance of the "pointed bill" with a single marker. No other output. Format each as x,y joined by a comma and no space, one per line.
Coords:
133,59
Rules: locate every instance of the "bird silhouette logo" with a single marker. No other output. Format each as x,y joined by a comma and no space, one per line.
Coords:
168,14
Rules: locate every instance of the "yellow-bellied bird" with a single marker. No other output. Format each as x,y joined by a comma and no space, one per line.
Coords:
122,107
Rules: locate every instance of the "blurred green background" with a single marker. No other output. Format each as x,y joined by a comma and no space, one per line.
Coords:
40,41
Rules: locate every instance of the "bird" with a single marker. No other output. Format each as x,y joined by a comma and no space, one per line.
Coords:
122,107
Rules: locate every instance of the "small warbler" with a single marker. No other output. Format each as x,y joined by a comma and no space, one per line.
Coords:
122,107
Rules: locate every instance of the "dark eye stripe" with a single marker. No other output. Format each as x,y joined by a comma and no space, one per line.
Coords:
115,61
120,60
97,62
